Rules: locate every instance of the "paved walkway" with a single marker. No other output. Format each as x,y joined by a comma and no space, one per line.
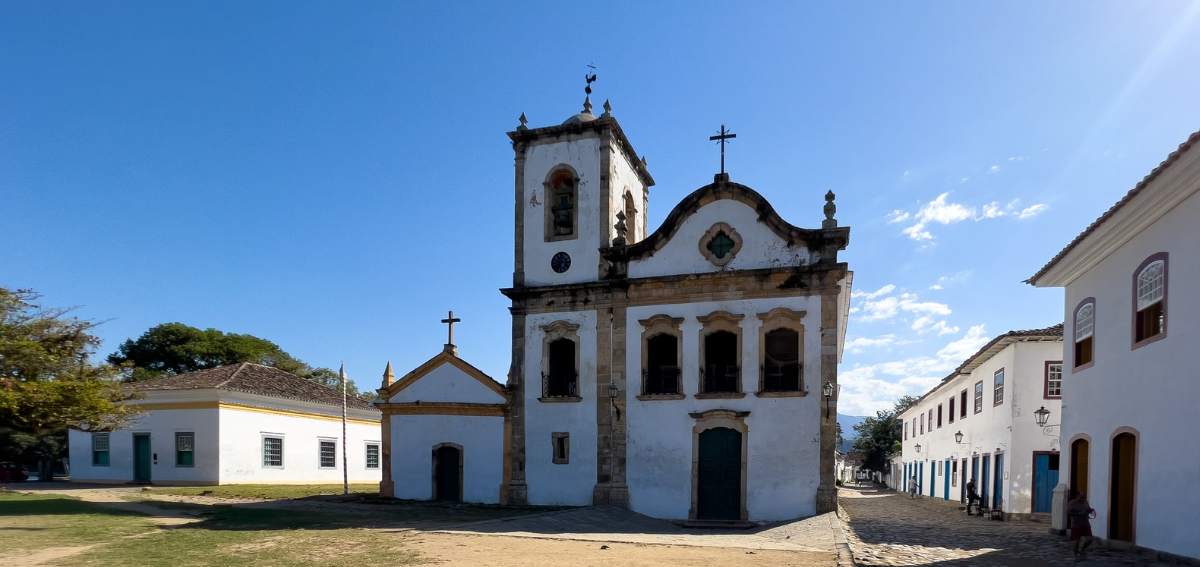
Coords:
888,528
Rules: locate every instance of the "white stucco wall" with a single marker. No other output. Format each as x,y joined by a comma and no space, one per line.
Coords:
1151,389
784,433
570,483
582,154
162,426
482,442
241,448
1007,429
625,178
761,248
447,383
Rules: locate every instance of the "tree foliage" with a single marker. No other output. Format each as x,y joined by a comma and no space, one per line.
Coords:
176,348
48,382
879,436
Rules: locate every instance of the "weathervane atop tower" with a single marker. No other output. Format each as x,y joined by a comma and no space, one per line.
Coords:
589,78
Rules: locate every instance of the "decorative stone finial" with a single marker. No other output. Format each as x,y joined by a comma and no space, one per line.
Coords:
607,110
388,376
644,162
622,230
830,210
523,122
587,104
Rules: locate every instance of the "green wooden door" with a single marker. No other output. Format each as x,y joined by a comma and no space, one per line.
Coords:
719,482
141,458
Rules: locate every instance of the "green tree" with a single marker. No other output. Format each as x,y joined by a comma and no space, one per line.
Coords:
48,382
879,436
176,348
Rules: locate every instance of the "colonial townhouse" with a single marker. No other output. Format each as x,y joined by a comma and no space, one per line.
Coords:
982,423
1129,386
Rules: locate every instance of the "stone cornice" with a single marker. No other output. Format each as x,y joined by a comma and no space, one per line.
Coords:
607,125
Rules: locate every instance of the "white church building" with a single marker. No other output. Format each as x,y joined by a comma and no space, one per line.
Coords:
981,423
1129,388
236,424
686,373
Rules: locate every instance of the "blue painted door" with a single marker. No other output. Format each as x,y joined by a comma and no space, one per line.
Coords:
998,483
983,481
1045,478
920,475
933,467
946,480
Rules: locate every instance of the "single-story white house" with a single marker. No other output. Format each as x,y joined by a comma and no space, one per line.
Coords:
237,424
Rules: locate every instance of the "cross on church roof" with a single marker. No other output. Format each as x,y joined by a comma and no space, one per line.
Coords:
450,320
721,138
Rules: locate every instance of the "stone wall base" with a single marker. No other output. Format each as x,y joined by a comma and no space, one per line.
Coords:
516,495
611,495
826,500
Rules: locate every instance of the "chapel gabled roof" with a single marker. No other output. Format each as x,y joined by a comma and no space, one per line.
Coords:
250,378
1166,163
447,356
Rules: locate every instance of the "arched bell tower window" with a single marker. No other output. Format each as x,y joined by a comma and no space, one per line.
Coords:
562,203
1150,300
631,217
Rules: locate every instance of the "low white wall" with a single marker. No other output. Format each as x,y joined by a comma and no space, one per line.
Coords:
241,448
162,426
482,441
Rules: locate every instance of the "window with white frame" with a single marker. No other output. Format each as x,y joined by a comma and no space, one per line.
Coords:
100,449
979,396
1150,315
1085,330
998,387
327,453
1053,380
185,449
372,455
272,451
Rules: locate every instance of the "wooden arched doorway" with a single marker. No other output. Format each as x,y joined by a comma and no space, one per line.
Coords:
1080,449
447,472
719,478
1122,486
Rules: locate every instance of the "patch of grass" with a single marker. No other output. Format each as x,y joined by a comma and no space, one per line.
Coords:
268,537
33,522
264,491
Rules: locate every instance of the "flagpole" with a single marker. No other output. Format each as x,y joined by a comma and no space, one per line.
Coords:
345,467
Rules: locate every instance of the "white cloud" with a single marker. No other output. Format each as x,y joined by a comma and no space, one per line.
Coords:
889,288
942,211
994,169
866,389
1032,211
937,287
927,324
859,344
1017,158
951,279
964,180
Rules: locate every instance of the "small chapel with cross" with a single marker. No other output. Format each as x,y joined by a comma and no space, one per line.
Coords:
688,373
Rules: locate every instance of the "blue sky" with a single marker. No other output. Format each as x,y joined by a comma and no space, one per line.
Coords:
335,177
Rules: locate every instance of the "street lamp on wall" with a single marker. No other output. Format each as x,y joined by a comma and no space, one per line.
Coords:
1041,416
958,437
827,392
918,447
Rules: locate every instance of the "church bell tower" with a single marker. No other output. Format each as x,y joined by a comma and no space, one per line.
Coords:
578,184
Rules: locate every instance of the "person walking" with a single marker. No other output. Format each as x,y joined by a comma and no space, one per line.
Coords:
912,486
972,497
1079,517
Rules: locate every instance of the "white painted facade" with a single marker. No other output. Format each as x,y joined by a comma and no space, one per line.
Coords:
1148,389
783,435
227,429
1007,429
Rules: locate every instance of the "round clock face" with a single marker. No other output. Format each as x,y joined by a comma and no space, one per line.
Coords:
561,262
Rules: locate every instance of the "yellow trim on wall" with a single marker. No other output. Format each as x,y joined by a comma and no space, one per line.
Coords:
249,408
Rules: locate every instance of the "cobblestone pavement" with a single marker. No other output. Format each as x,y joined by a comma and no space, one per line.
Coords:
889,528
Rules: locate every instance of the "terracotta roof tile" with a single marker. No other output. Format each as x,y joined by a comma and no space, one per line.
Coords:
251,378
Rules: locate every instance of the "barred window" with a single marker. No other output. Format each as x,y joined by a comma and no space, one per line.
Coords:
372,455
328,453
185,449
272,449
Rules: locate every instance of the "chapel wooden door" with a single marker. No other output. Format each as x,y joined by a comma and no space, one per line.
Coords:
719,478
447,477
1121,497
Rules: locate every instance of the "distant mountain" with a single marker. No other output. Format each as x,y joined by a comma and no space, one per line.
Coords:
848,422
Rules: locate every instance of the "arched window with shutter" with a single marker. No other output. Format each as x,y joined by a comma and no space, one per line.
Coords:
1085,330
1150,300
